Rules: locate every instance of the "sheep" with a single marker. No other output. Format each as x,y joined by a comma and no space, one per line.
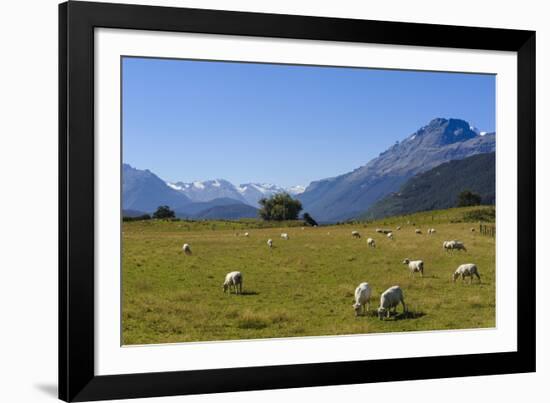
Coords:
466,270
390,236
415,266
186,249
431,231
390,299
398,228
355,234
451,245
362,297
246,234
379,230
285,236
233,280
270,243
371,243
417,231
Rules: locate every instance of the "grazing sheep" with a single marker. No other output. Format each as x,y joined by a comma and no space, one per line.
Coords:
390,235
362,297
398,228
452,245
389,300
431,231
233,280
371,243
466,270
285,236
355,234
186,249
415,266
270,243
417,231
246,234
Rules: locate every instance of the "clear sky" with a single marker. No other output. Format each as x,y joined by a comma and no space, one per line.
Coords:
287,125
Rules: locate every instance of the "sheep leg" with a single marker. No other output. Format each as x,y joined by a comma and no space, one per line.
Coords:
478,277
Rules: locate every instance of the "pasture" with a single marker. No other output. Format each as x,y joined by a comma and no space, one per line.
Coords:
303,286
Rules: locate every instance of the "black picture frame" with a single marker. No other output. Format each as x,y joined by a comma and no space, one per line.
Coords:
77,21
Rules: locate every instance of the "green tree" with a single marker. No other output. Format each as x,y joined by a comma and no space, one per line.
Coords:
468,198
279,207
164,212
309,219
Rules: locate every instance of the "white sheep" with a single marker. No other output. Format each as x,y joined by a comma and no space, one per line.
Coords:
355,234
371,243
466,270
246,234
270,243
362,297
390,235
389,300
186,249
452,245
233,280
431,231
398,228
415,266
417,231
285,236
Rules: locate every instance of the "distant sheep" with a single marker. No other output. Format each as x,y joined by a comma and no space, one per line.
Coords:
398,228
390,235
233,280
270,243
466,270
389,300
285,236
362,297
355,234
415,266
246,234
417,231
452,245
431,231
186,249
371,243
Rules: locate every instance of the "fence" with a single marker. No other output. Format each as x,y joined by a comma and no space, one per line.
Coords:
489,230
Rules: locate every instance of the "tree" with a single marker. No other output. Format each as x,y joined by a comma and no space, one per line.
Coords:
164,212
279,207
468,198
309,219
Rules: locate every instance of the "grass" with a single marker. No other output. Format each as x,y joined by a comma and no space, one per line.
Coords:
302,287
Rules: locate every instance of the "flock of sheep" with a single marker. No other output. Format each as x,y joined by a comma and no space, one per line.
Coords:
389,299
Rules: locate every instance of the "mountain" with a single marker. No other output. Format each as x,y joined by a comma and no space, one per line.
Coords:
348,195
253,192
228,212
194,209
142,190
249,193
439,187
202,191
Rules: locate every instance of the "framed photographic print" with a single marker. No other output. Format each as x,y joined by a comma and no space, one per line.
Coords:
258,201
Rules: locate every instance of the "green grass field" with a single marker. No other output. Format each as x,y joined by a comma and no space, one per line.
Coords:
302,287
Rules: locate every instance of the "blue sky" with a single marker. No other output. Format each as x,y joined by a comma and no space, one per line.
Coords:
288,125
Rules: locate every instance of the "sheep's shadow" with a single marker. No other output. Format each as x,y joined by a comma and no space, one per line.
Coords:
407,315
249,293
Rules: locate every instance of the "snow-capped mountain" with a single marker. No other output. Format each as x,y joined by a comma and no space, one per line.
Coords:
348,195
249,193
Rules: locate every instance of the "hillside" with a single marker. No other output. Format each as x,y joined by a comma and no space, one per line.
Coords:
351,194
439,187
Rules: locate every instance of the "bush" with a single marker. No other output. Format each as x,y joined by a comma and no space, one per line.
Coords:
279,207
164,212
482,215
309,220
467,198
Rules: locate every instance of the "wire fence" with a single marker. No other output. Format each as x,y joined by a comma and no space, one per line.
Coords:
488,230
